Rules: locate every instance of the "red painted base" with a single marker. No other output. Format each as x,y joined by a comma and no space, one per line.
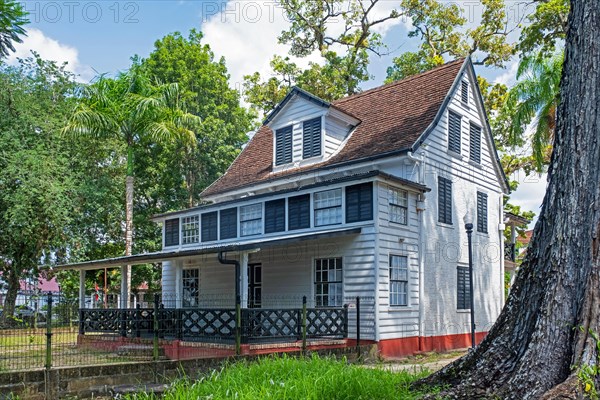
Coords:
402,347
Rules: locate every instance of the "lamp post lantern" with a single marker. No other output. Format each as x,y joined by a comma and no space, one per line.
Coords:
469,228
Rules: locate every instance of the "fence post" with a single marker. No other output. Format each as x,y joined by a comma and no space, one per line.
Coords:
179,323
161,321
358,325
155,329
138,317
345,320
238,325
81,322
303,324
49,333
123,322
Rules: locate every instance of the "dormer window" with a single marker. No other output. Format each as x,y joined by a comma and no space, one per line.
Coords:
283,145
311,138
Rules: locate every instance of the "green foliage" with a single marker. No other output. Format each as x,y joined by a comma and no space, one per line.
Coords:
292,378
37,186
205,92
441,28
546,27
12,19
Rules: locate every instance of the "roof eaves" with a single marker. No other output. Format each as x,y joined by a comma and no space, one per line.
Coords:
294,91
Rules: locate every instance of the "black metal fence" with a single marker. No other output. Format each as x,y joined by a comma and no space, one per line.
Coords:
64,335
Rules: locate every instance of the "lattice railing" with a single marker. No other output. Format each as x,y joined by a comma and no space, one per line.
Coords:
190,324
261,323
326,322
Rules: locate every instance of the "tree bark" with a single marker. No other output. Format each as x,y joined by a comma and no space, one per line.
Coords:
126,270
8,310
545,342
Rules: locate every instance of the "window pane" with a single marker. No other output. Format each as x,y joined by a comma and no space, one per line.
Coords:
251,219
398,280
190,227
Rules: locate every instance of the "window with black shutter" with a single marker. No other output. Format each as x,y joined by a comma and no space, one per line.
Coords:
275,216
454,128
311,138
474,143
359,202
299,212
444,200
463,289
464,92
283,145
228,223
482,212
172,232
209,226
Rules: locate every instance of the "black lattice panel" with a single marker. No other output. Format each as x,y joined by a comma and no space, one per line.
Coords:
259,323
208,323
99,320
326,322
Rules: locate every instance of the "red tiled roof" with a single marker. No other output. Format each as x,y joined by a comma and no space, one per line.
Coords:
392,116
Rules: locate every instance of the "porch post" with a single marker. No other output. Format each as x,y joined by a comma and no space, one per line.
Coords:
178,283
125,273
81,288
244,278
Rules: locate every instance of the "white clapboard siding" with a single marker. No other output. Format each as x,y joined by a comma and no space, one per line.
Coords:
336,132
445,246
397,321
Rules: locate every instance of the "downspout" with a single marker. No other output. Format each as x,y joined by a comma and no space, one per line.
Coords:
223,260
420,161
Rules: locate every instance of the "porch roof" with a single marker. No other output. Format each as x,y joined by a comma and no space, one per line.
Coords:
160,256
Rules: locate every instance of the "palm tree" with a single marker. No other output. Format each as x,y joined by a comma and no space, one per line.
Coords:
130,108
12,19
534,100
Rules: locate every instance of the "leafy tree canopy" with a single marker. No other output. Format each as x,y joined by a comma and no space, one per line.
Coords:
12,19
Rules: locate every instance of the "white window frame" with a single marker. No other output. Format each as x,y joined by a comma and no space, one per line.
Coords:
190,287
398,280
332,207
398,205
335,282
251,219
190,229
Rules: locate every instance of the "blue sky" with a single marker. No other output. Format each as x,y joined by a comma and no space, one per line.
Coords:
101,36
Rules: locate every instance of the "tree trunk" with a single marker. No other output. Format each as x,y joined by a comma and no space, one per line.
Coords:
12,279
545,342
126,271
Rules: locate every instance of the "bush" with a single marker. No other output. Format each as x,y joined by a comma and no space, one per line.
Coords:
295,378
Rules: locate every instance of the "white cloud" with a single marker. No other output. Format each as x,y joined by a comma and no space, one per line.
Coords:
509,77
51,49
530,192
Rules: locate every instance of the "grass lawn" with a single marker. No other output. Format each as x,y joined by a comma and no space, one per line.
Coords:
295,378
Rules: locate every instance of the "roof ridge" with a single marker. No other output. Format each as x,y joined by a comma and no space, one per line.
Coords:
396,83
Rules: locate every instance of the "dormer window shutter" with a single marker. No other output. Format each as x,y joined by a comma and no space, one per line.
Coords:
464,92
283,145
311,138
454,131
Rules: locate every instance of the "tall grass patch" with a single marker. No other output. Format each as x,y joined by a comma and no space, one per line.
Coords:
295,378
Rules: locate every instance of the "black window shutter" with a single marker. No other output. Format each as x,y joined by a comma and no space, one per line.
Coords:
283,145
172,232
275,216
454,130
475,143
209,226
311,138
228,223
464,95
359,202
444,200
463,292
482,212
299,212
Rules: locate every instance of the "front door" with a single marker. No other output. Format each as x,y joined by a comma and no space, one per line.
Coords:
254,285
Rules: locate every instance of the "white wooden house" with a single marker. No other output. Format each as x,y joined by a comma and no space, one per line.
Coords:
366,197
